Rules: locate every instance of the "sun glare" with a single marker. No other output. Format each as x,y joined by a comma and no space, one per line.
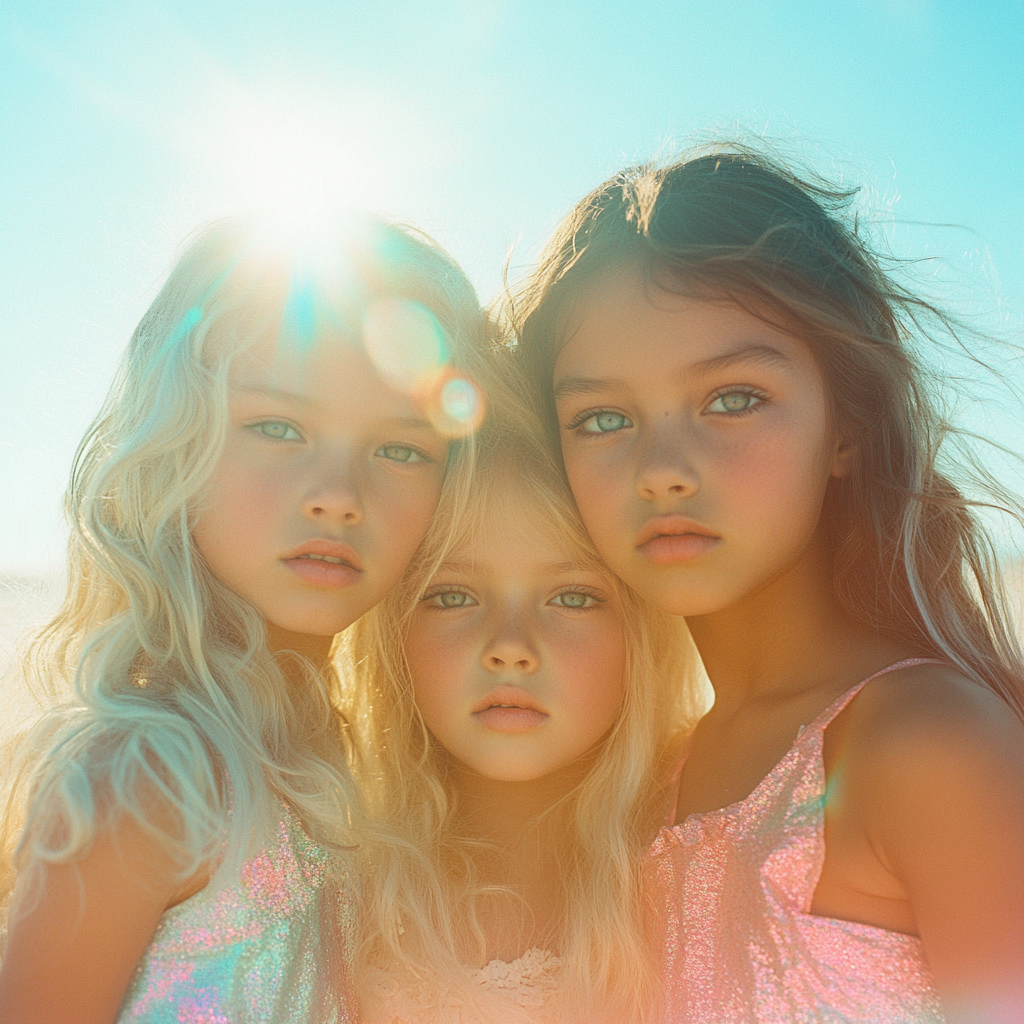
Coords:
292,165
307,176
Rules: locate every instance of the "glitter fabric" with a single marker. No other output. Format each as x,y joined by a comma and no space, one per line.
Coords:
524,990
251,951
733,891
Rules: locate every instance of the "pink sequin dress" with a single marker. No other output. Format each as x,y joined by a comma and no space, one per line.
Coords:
733,888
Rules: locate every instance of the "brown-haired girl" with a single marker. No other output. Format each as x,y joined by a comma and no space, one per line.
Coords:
751,443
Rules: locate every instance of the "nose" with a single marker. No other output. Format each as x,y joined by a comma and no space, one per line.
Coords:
667,467
511,650
334,498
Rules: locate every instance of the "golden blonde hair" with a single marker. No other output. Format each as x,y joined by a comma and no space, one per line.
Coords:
174,706
422,884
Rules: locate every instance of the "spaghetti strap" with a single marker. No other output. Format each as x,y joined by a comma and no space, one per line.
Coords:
819,724
733,889
826,716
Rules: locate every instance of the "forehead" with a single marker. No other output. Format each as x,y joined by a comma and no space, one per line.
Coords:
624,324
332,378
515,528
330,372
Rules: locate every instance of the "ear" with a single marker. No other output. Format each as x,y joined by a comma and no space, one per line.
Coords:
844,459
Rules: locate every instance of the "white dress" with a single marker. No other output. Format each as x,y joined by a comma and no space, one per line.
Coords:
525,990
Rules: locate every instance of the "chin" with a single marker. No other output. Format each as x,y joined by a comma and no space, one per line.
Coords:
511,773
309,625
687,605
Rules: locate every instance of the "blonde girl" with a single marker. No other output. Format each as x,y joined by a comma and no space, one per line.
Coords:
735,388
253,483
522,700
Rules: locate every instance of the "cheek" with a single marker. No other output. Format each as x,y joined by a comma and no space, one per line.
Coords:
595,667
236,511
600,485
402,515
780,482
438,661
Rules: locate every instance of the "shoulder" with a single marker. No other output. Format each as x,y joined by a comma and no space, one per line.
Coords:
923,708
924,742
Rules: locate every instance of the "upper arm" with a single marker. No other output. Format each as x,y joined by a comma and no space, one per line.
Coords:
78,930
944,789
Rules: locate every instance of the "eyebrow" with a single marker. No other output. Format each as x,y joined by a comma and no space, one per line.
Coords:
557,568
571,386
407,422
412,423
549,569
268,392
456,567
759,353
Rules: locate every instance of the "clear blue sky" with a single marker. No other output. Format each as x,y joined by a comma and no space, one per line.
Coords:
122,125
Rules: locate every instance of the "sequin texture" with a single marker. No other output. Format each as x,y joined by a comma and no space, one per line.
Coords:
733,891
248,952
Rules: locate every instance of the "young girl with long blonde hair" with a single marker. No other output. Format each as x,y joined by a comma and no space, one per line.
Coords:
522,700
735,387
261,472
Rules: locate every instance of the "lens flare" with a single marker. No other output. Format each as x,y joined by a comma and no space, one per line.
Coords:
460,400
455,404
406,343
410,351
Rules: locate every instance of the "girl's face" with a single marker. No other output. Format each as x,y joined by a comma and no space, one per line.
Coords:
697,442
324,489
517,655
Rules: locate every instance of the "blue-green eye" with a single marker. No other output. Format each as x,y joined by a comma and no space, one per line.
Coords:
400,453
450,599
574,599
734,401
605,423
278,430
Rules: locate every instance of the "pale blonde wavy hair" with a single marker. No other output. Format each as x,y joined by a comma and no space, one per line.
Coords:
169,687
422,887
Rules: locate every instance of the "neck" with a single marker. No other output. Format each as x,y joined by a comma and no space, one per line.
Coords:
524,856
313,649
503,813
788,636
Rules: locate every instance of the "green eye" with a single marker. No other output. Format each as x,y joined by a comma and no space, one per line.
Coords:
278,430
400,453
574,599
734,401
451,599
605,423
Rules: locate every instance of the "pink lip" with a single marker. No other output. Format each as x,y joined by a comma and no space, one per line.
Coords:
521,714
670,539
320,573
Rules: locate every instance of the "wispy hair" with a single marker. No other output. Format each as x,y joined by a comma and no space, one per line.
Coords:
912,554
173,710
423,883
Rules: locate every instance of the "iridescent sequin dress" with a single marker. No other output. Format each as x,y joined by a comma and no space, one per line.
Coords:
733,891
251,951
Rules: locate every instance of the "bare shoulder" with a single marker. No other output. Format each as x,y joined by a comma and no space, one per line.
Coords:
928,734
911,710
78,929
78,926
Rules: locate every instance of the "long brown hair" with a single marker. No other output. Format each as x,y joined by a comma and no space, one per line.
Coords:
910,556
